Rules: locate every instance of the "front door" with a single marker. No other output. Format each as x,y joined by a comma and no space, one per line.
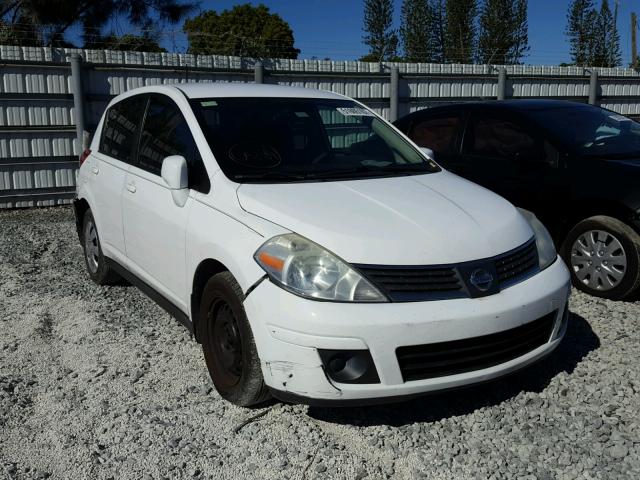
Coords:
513,160
154,226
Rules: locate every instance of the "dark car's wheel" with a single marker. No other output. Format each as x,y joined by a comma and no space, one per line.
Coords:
228,344
98,268
603,255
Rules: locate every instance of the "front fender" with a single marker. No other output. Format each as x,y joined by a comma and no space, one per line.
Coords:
218,236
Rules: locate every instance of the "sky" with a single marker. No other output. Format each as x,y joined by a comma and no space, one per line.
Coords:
333,28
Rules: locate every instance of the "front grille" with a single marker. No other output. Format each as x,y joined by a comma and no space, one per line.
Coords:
513,266
433,360
403,284
441,282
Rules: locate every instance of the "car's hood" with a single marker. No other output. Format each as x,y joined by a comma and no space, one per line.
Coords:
411,220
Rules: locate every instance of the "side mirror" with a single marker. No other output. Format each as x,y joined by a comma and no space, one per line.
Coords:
428,152
175,174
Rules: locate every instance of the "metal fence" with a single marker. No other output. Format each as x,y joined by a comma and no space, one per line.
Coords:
49,96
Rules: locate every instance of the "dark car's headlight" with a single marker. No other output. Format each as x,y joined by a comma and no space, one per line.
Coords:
546,249
306,269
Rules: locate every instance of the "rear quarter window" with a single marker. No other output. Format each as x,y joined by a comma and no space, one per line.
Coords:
120,130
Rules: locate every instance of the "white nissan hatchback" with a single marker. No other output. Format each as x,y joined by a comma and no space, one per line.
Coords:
314,251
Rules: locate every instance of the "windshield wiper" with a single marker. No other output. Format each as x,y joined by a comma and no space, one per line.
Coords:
371,171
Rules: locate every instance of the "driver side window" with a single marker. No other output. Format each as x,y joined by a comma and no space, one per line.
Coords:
165,132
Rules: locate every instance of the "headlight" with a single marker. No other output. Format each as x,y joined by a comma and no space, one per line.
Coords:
308,270
546,249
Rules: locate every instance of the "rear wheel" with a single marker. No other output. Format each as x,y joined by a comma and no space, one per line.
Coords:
97,267
228,345
603,255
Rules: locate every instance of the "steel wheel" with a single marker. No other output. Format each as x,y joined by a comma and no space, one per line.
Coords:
91,246
598,260
227,343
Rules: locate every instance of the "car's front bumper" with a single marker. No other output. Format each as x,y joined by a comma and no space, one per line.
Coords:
289,330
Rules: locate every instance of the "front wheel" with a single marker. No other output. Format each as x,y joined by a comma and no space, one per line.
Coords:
603,255
228,345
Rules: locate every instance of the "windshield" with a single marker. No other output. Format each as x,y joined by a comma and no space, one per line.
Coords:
303,139
592,131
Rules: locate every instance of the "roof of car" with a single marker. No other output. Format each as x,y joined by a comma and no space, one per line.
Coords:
523,106
533,104
517,104
208,90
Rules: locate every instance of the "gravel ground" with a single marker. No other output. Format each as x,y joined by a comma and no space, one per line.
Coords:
99,382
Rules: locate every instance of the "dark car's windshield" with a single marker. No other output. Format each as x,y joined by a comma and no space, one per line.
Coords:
592,131
303,139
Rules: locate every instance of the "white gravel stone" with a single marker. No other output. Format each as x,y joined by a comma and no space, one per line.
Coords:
99,382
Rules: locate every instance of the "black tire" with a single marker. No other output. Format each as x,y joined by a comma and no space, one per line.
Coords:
94,260
228,345
624,287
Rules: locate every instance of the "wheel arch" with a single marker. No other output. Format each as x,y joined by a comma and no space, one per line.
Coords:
80,208
591,207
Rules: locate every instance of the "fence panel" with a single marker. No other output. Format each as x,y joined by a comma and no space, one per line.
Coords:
39,145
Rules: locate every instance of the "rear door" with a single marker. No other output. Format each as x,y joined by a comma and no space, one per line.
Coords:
109,167
154,226
440,131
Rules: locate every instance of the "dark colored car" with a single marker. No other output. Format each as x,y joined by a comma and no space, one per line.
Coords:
576,166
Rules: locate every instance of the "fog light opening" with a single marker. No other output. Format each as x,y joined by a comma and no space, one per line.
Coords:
349,366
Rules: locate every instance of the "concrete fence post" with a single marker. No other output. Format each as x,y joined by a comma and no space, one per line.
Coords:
258,72
78,99
394,94
593,87
502,83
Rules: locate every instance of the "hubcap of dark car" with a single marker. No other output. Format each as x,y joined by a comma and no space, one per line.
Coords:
227,343
91,248
598,260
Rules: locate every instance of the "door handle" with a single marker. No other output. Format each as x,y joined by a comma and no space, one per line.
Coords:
94,170
131,186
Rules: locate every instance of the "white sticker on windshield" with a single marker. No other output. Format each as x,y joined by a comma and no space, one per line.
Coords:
354,112
619,118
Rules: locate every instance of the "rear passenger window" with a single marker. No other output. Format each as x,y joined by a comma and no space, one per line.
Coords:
120,129
165,132
440,134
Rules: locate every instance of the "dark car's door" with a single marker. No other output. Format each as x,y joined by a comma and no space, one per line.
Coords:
441,131
511,157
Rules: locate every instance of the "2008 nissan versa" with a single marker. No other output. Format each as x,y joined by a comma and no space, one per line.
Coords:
315,252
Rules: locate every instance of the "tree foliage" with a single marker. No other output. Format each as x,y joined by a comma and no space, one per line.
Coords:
245,31
593,34
439,26
44,22
380,37
416,30
580,30
503,37
127,42
460,31
22,33
607,44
